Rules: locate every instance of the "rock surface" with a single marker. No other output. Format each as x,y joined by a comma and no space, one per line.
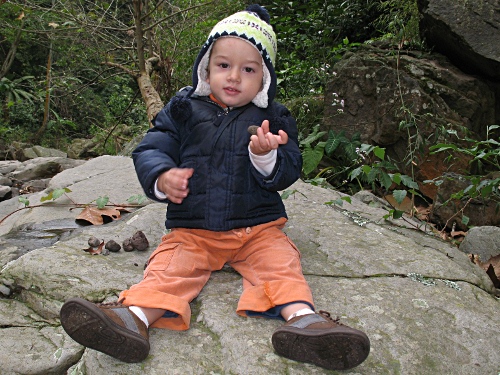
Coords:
466,31
482,241
426,308
390,96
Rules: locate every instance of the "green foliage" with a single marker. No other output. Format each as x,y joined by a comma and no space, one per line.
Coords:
340,153
385,174
137,199
399,22
484,155
309,37
13,91
382,172
54,194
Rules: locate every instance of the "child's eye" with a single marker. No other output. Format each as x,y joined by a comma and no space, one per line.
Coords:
249,70
224,65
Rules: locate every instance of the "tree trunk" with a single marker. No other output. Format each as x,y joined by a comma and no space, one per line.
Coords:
9,59
46,110
154,104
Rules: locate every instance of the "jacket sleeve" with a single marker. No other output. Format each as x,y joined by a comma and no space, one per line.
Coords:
157,152
289,159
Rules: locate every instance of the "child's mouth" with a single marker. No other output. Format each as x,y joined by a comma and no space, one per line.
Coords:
231,90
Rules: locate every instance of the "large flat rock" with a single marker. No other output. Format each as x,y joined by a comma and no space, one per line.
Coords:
426,308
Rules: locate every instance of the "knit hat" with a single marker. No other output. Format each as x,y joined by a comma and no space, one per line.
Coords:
251,25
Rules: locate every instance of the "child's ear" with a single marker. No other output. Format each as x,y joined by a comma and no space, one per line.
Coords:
207,80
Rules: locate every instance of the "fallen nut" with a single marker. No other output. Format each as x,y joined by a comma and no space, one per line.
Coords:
113,246
139,241
128,245
94,241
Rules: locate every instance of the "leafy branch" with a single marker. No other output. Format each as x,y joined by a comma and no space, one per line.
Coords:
92,211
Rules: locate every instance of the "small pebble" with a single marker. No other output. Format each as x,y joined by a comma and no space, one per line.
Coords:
252,129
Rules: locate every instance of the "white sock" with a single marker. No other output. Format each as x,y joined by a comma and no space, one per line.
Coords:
301,312
137,311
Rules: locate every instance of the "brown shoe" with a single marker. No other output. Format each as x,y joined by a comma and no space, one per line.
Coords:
318,339
109,328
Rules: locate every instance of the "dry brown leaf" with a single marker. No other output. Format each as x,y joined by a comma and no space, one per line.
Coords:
422,213
95,215
495,263
491,266
405,205
456,233
93,251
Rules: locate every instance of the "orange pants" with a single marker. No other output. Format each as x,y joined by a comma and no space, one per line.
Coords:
179,268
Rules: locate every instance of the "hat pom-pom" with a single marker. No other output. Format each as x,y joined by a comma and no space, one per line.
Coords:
260,11
180,108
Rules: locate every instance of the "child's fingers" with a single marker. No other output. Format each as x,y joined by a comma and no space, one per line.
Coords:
283,137
265,126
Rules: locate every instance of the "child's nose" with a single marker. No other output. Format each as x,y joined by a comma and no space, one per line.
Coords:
234,75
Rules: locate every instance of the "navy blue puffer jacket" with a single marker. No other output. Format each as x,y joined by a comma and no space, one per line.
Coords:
226,191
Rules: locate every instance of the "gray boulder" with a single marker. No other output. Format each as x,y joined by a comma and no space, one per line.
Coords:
482,241
42,152
43,167
468,32
390,97
426,308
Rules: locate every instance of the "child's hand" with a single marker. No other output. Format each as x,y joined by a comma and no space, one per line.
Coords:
174,183
266,141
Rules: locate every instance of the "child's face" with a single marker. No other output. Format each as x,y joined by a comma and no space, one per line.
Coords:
235,72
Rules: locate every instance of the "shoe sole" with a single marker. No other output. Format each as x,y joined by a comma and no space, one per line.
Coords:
336,349
85,323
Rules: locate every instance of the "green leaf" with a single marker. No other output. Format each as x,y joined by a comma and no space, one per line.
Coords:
355,173
312,158
339,201
396,178
350,149
54,194
102,202
287,193
397,214
379,152
373,174
408,181
385,180
347,199
333,142
139,199
465,220
399,195
366,169
24,201
314,136
57,193
442,147
486,191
